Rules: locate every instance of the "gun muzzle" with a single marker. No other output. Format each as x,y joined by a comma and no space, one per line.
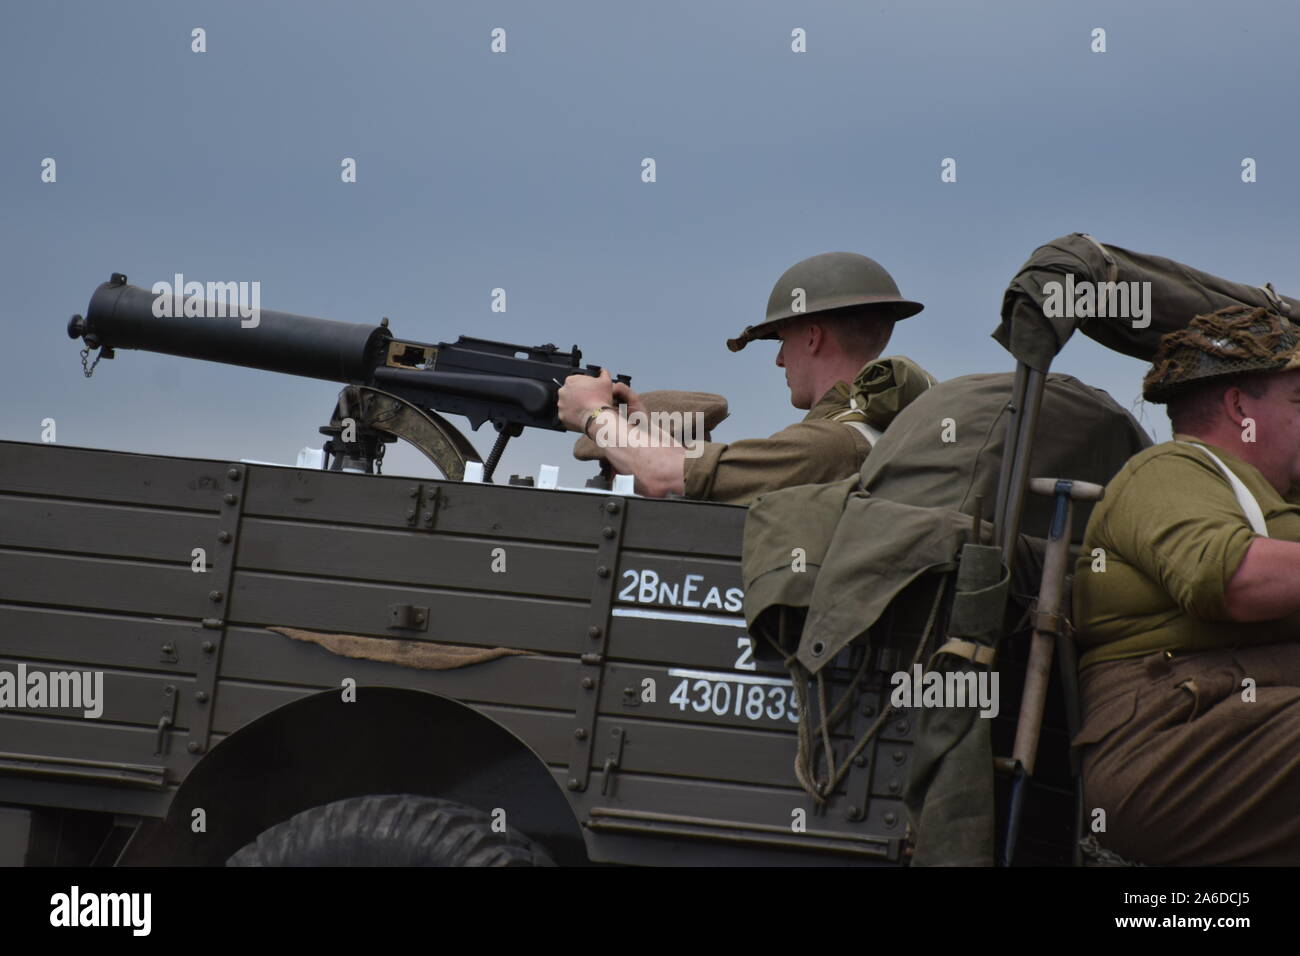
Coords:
122,316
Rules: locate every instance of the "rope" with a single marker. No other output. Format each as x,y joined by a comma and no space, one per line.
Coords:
805,762
1103,857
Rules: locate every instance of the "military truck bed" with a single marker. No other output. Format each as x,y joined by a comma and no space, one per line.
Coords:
605,593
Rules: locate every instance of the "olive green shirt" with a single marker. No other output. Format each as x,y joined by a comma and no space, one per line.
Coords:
1172,535
814,451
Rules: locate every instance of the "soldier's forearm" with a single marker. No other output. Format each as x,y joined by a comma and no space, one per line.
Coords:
1263,588
654,458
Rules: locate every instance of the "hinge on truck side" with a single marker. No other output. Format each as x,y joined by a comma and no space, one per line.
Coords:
594,643
208,667
423,510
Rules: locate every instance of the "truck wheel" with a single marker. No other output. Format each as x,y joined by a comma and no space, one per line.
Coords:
391,830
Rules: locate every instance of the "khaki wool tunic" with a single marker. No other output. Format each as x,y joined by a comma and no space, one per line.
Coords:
814,451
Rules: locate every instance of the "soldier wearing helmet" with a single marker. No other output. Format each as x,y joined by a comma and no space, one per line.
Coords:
1188,611
833,315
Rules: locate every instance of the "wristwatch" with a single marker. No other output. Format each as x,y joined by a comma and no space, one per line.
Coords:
593,415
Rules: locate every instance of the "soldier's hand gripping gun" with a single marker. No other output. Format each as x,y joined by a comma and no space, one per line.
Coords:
395,388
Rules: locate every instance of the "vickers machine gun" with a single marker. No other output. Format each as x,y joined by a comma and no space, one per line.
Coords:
395,388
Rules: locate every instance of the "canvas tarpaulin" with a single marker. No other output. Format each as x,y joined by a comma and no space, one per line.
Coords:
1082,434
1177,293
866,540
853,563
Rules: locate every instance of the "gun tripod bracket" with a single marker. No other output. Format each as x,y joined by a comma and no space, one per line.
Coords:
366,419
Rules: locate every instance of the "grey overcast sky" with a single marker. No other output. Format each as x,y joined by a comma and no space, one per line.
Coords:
522,170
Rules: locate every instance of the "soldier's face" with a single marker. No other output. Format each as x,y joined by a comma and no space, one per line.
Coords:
794,357
1276,413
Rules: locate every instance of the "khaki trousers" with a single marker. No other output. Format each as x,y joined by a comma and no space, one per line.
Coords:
1188,768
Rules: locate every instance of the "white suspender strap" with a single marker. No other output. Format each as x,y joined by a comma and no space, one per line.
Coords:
872,435
1254,514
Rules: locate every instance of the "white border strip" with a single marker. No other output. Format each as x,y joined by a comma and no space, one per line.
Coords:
678,616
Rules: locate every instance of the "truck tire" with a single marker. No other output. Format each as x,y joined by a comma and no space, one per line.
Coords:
390,830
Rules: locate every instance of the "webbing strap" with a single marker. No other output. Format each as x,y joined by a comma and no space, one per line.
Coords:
1049,622
977,653
872,435
1254,514
1275,299
1112,267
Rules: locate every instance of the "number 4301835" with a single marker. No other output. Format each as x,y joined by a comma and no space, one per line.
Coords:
740,699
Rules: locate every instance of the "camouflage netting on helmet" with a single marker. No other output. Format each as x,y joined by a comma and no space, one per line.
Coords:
1231,341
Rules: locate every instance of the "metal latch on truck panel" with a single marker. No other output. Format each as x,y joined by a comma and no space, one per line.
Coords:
614,760
167,720
408,617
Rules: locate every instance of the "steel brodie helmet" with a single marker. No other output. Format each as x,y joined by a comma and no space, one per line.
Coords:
830,281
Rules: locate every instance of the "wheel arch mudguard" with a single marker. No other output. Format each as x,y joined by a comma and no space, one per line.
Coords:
319,749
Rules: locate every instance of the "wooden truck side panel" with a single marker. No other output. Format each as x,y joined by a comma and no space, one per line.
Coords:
610,597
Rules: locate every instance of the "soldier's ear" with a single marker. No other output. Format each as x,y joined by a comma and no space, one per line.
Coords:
1231,399
814,335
